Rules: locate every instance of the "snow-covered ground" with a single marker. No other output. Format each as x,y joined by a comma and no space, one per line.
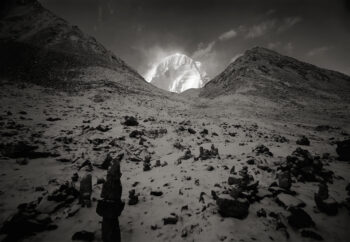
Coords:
67,125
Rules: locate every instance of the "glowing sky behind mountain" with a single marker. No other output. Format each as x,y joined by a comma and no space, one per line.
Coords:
214,32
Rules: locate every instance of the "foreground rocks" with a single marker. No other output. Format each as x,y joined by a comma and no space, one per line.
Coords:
304,167
111,205
324,202
130,121
26,222
236,208
343,149
300,219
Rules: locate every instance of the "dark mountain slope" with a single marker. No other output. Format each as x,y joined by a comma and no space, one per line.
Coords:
38,46
265,73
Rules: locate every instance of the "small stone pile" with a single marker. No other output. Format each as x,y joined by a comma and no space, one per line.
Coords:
324,202
205,154
130,121
111,205
262,150
242,192
304,167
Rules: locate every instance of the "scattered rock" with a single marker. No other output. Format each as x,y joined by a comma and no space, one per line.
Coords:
303,141
27,221
284,180
19,149
171,220
299,218
51,119
307,233
85,190
103,128
186,156
136,134
84,236
343,149
191,131
133,198
261,213
147,163
205,154
204,132
324,202
210,168
130,121
156,133
251,161
156,193
287,201
236,208
262,150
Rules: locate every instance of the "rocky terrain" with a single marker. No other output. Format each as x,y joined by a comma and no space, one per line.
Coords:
218,165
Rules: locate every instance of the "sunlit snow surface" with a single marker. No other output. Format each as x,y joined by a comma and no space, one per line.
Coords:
177,73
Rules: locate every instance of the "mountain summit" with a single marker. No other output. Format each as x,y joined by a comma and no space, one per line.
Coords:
177,73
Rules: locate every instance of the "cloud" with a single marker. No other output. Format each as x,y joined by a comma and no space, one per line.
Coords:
289,22
152,55
260,29
318,51
203,50
269,26
228,35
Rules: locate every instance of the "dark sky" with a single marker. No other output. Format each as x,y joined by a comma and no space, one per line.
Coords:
214,32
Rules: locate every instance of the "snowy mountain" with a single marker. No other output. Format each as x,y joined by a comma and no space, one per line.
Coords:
177,73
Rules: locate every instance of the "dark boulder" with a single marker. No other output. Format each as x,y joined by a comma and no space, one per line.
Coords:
133,197
262,150
307,233
191,131
156,193
236,208
83,236
299,218
171,220
86,190
130,121
136,134
324,202
303,141
343,150
284,180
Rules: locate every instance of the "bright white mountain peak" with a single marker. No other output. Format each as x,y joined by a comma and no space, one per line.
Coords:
177,73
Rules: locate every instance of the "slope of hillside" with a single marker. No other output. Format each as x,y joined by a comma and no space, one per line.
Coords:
265,73
40,47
